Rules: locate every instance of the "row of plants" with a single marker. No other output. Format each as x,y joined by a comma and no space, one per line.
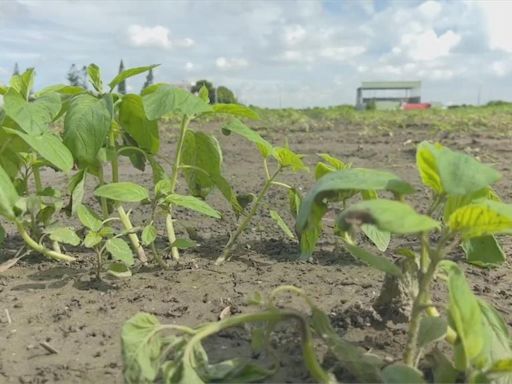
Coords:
462,339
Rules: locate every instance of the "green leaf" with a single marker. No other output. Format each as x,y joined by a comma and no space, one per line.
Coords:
123,191
485,217
333,161
237,110
64,235
134,121
32,117
281,224
77,189
141,348
203,94
464,311
443,369
287,158
165,100
8,196
380,238
88,218
130,72
193,203
49,147
119,270
237,370
60,88
94,73
353,179
86,126
3,235
501,366
149,234
92,239
431,329
484,251
183,244
120,250
399,373
377,262
452,172
387,215
236,126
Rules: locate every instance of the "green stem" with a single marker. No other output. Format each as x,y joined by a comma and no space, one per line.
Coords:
103,200
158,257
37,179
134,239
174,180
115,159
56,247
226,254
39,247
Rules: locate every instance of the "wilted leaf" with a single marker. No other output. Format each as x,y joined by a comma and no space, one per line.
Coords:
280,222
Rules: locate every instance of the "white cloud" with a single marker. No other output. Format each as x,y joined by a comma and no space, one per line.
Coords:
501,68
229,64
294,34
189,66
428,45
497,16
156,37
430,9
341,53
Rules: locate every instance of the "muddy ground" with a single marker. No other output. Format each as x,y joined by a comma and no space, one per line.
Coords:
63,306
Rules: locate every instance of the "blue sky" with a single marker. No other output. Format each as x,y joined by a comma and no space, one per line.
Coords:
271,53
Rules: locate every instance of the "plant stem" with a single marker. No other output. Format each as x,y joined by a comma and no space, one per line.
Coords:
134,239
39,247
103,201
37,179
174,180
226,254
56,247
158,258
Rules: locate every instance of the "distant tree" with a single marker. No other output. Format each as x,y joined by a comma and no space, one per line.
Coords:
149,79
121,88
83,78
73,76
225,96
16,69
209,86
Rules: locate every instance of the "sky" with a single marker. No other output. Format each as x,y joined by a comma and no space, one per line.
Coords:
271,53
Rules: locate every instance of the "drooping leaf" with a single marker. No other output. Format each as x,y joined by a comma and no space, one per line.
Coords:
236,126
119,270
77,189
237,370
165,100
281,224
431,329
485,217
124,191
94,73
127,73
149,234
399,373
377,262
86,126
120,250
193,203
64,235
32,117
484,251
8,196
134,121
49,147
88,218
380,238
237,110
387,215
287,158
357,179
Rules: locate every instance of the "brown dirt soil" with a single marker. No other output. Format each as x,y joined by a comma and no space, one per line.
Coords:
63,306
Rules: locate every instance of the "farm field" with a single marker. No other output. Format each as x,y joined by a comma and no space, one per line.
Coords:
64,307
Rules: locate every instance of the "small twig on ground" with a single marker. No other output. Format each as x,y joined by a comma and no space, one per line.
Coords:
48,347
9,320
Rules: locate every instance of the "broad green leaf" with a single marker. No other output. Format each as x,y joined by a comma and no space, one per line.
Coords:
380,238
141,348
8,196
399,373
49,147
62,89
484,251
334,162
237,110
134,121
281,224
485,217
165,100
387,215
88,218
465,313
86,126
236,126
32,117
431,329
443,369
120,250
451,172
454,202
77,189
309,235
119,270
377,262
287,158
183,244
149,234
130,72
358,179
94,73
92,239
23,83
193,203
124,191
203,94
64,235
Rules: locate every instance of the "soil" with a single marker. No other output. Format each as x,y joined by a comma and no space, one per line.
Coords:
63,306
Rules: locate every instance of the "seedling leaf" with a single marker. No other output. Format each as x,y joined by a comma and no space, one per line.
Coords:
119,270
149,234
377,262
431,329
280,222
122,191
193,203
130,72
183,244
94,73
400,373
484,251
88,218
64,235
380,238
92,239
236,126
237,110
8,195
287,158
120,250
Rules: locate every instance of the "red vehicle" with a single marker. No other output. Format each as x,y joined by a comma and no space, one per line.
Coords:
414,106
